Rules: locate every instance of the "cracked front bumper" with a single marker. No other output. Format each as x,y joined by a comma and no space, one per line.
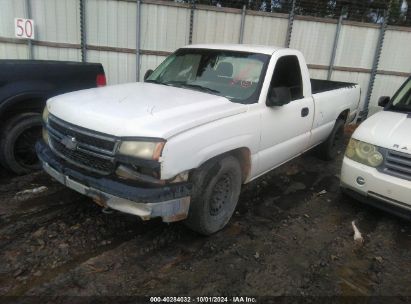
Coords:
170,202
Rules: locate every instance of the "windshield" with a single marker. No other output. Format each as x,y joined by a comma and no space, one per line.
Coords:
402,99
237,76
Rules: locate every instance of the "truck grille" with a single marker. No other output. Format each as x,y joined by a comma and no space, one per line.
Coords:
87,138
398,164
83,148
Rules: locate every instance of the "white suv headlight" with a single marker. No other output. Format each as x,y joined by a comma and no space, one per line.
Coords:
150,150
364,153
46,114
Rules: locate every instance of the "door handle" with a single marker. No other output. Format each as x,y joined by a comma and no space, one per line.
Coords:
305,112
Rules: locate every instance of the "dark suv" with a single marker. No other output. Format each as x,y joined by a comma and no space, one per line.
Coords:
25,86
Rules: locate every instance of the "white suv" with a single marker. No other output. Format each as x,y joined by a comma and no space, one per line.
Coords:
377,163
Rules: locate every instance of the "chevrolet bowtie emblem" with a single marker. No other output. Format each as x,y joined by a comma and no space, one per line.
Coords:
70,142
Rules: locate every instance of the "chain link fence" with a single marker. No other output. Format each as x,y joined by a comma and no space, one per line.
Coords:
370,11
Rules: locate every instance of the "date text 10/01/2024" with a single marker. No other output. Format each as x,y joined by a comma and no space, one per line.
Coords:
203,300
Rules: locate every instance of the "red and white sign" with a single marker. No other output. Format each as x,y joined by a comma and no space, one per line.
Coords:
24,28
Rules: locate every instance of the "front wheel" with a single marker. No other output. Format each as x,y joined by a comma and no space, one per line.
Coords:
216,189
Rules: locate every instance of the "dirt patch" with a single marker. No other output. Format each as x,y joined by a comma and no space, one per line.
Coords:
291,235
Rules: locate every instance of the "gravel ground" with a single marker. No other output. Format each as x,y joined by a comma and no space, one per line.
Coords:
291,235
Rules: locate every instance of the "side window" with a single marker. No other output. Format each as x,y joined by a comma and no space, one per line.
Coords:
287,73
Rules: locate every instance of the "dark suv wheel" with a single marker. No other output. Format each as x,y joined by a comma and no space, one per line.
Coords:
17,140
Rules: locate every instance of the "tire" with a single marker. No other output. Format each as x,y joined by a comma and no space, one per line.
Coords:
328,150
17,139
216,189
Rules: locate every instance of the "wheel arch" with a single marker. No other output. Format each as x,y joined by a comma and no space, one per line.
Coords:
242,154
344,115
22,103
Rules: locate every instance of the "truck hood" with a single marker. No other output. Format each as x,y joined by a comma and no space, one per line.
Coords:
391,130
141,109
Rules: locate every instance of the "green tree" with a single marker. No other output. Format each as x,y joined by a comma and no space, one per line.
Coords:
358,10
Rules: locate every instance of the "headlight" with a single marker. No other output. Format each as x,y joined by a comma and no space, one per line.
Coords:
364,153
45,114
150,150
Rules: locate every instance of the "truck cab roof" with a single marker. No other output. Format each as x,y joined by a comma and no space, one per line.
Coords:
251,48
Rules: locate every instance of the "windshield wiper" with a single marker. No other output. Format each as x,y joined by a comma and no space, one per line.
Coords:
193,86
153,81
402,109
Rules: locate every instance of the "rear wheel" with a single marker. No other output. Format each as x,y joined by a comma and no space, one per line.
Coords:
216,191
328,150
17,140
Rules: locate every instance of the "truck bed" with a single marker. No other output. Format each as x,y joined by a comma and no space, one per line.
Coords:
55,77
331,98
63,72
319,85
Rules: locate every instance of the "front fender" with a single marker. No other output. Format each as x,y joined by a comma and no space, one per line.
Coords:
193,148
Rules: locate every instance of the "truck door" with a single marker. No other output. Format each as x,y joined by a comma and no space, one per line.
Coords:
286,129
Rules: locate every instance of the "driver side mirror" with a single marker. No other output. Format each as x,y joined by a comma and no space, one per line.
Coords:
383,101
278,96
147,74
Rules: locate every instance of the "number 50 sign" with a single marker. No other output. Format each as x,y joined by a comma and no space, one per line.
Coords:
24,28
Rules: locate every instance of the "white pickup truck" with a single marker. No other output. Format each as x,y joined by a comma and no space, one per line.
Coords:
377,163
180,145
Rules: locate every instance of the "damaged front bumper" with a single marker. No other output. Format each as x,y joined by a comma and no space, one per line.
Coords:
170,202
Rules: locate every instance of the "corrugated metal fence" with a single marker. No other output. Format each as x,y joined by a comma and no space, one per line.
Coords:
112,29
